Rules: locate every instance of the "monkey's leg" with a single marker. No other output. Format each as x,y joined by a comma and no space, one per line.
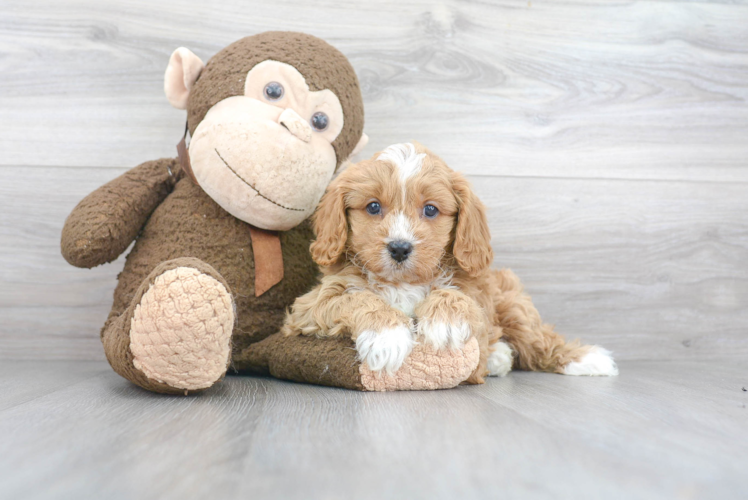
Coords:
175,337
333,361
537,346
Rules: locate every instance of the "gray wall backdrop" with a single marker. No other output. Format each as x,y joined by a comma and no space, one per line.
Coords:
609,140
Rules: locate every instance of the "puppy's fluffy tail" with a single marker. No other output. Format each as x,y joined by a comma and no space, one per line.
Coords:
537,346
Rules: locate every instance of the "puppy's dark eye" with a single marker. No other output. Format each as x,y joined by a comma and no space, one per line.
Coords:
430,211
374,208
273,91
320,121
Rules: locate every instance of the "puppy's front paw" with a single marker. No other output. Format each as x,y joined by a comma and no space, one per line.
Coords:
441,334
385,349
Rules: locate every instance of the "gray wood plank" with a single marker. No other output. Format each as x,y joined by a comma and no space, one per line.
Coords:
21,382
48,308
660,430
652,90
527,93
650,269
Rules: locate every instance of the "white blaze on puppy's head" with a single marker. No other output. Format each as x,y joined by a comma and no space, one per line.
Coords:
405,158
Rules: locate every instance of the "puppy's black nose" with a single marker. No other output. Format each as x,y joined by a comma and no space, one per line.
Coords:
399,250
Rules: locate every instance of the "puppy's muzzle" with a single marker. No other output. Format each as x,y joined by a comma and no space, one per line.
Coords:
399,250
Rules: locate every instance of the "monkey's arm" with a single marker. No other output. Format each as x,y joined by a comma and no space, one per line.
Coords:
106,221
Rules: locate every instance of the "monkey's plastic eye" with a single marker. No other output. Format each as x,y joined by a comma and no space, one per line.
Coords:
320,121
374,208
273,91
430,211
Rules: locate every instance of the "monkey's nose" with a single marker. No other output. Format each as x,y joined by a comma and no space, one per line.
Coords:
295,124
399,250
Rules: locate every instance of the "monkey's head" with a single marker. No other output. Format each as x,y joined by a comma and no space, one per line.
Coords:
272,116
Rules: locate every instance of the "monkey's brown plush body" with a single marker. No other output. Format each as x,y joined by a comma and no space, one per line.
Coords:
198,292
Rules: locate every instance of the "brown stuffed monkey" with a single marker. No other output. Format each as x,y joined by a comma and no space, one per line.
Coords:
222,233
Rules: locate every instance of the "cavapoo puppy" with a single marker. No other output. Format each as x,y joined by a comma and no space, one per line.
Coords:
405,251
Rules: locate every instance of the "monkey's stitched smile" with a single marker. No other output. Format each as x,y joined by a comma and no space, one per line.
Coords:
254,188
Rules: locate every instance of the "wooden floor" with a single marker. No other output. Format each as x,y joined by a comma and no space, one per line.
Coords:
674,430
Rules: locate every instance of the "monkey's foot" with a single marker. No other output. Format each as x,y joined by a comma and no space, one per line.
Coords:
427,368
180,333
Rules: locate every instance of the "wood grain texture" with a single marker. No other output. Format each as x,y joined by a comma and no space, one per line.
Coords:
660,430
608,139
649,269
624,89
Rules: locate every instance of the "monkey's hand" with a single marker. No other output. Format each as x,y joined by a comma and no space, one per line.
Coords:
106,221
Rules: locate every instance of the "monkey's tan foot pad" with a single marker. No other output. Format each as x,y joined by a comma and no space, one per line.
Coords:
333,362
426,369
180,333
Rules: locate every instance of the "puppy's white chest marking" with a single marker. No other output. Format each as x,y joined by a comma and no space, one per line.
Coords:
404,297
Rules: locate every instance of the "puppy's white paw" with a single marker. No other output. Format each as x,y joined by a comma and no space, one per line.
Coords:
597,362
385,349
500,360
440,334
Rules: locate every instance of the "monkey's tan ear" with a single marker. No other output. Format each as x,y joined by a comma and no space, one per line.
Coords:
181,74
330,226
361,144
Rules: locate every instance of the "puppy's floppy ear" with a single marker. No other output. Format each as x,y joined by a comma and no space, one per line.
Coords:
472,247
330,226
